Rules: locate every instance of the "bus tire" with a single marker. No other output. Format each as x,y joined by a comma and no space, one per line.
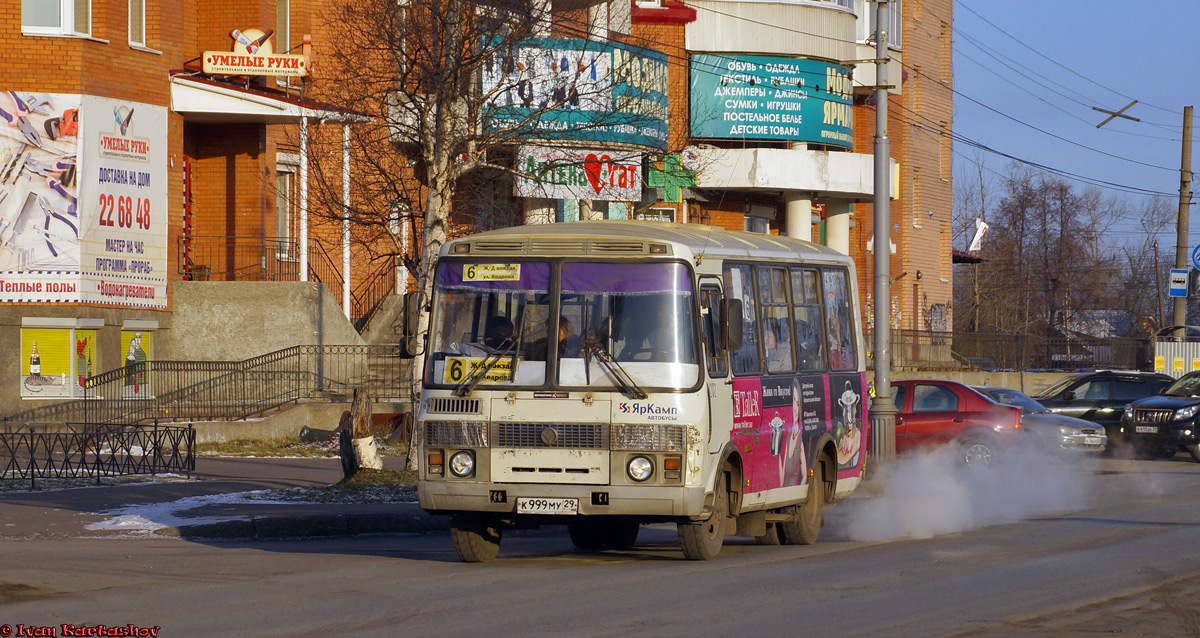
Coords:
702,540
476,540
810,515
586,536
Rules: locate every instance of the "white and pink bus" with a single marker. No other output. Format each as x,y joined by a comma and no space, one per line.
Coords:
605,375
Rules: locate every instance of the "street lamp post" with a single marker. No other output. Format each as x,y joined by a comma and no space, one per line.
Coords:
883,410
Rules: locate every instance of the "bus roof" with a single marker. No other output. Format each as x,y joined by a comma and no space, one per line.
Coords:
604,238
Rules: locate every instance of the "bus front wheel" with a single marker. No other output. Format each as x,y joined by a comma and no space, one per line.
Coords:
476,539
702,540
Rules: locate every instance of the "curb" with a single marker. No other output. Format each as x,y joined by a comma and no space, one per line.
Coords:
316,526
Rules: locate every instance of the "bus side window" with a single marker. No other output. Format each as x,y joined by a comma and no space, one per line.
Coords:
739,284
839,316
710,314
806,304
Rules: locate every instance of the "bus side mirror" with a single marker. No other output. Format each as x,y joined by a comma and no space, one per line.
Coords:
731,312
409,315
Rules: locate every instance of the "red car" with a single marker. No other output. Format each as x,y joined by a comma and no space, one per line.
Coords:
937,412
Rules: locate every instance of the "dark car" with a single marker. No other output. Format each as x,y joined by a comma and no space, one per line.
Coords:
939,412
1064,436
1165,424
1101,396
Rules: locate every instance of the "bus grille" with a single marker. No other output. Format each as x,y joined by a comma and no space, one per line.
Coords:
648,438
456,433
1152,416
444,405
585,436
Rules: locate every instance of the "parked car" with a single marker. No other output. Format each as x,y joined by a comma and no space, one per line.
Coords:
939,412
1101,396
1064,436
1163,425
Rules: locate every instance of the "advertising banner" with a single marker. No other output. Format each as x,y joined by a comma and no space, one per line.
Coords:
83,199
578,91
771,98
123,193
568,173
56,361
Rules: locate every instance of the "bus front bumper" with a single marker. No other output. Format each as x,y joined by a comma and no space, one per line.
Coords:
651,502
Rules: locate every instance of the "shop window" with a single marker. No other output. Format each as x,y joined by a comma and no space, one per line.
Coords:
56,17
137,347
56,361
137,22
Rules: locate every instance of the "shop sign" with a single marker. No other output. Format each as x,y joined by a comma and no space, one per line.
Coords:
577,91
571,173
656,215
252,54
771,98
83,203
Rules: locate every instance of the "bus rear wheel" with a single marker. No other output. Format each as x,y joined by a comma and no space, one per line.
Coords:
803,530
702,540
476,539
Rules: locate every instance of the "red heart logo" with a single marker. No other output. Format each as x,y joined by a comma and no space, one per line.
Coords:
594,168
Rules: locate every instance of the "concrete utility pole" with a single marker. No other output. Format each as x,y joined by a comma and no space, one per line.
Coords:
1181,226
883,409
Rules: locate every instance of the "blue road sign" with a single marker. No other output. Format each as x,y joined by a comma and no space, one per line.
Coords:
1179,282
1196,256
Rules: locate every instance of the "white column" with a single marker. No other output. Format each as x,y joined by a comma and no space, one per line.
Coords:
837,226
799,215
539,210
346,219
303,199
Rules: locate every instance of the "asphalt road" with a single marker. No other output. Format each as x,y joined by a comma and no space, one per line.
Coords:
1112,549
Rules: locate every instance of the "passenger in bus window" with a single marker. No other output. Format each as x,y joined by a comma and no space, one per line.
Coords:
779,356
808,344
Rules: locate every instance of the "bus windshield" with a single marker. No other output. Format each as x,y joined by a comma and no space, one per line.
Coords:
621,326
624,322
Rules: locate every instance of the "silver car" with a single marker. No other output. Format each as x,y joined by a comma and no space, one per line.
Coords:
1064,436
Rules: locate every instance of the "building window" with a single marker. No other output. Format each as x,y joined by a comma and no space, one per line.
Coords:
286,184
56,17
137,22
56,361
865,10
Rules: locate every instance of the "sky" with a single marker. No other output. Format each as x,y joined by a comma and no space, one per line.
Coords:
1020,64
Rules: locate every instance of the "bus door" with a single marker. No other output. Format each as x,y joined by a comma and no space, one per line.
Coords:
720,400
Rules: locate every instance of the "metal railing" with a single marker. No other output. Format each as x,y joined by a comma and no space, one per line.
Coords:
44,450
929,350
370,292
187,391
253,258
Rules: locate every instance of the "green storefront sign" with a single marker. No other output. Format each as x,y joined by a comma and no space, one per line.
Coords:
771,98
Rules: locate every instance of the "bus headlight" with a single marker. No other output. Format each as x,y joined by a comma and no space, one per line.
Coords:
462,464
640,468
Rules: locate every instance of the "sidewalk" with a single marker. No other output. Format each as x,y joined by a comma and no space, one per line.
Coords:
214,504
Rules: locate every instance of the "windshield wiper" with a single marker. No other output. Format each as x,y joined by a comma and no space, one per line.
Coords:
616,371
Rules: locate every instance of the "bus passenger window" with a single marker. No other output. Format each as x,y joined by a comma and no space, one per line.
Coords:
776,320
839,333
806,304
739,284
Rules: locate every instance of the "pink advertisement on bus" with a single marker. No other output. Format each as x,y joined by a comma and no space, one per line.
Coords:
778,421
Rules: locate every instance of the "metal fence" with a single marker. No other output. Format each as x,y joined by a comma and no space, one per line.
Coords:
929,350
187,391
44,450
